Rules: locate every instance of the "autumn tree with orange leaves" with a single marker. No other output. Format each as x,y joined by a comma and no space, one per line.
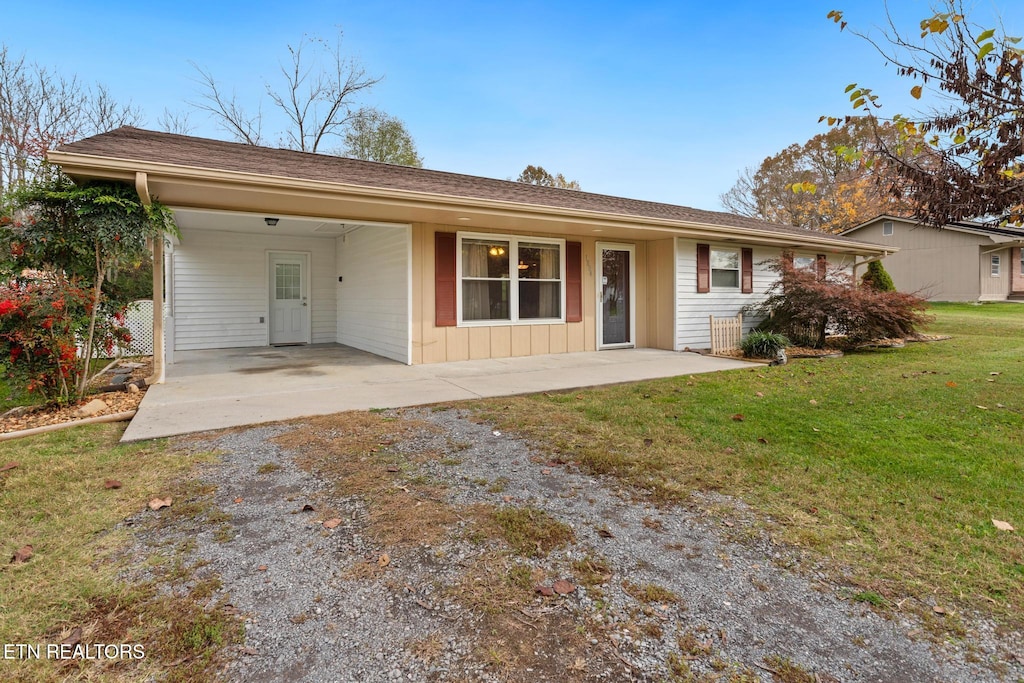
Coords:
827,183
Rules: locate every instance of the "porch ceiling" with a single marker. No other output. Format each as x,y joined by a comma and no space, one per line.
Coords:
256,224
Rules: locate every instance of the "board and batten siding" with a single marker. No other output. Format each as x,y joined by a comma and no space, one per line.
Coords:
221,288
373,296
692,309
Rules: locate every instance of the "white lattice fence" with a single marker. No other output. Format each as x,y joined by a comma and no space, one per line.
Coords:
726,333
139,321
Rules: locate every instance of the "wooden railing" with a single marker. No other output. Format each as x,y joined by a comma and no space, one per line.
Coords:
726,333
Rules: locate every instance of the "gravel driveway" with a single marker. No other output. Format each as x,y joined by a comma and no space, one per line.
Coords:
692,591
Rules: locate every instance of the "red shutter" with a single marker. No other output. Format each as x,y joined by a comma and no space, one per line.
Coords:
747,272
573,282
445,279
822,264
703,268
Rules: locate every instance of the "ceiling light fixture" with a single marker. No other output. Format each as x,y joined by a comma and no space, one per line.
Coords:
271,221
496,251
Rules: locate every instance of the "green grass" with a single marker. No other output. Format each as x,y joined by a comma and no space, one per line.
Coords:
882,460
56,500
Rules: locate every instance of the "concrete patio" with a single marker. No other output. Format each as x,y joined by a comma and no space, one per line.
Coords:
234,387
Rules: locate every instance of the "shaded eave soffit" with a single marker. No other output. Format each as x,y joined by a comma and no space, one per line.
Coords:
181,185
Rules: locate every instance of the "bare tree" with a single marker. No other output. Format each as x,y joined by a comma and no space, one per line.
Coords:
40,109
317,96
174,122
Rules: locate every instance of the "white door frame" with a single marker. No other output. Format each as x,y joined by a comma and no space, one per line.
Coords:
599,281
305,259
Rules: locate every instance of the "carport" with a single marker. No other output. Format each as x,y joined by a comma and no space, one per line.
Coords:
215,389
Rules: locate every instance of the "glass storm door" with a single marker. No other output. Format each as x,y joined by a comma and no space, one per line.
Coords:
289,299
616,296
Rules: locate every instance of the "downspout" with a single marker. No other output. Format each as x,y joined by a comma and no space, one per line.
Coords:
157,245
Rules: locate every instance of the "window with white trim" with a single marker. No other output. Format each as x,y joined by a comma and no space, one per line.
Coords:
887,229
506,279
996,264
725,268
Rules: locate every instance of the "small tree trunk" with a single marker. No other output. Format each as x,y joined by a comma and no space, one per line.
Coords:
83,381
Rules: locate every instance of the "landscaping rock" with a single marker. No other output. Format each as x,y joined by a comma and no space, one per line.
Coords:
93,407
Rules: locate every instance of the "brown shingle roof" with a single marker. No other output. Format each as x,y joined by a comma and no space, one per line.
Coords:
167,148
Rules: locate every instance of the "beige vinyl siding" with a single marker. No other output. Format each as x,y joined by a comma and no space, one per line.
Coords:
432,344
995,288
373,296
692,309
221,291
939,265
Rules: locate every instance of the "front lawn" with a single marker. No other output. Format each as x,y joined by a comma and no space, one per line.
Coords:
892,462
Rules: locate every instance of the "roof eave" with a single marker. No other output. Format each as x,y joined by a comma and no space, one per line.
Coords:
95,166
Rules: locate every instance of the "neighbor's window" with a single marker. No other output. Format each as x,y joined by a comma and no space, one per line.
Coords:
995,265
725,268
887,229
505,279
805,262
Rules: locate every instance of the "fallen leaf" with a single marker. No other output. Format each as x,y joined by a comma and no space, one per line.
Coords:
22,554
563,587
938,609
728,523
158,503
729,449
648,442
995,373
507,499
8,466
604,533
384,560
761,439
950,384
111,484
982,407
74,638
546,470
1001,525
261,568
815,429
1000,405
738,417
393,468
759,394
331,523
238,500
308,508
579,397
813,402
546,591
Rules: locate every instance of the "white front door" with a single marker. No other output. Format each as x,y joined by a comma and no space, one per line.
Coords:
289,298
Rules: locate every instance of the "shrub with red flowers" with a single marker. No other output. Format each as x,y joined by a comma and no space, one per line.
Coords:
805,307
58,309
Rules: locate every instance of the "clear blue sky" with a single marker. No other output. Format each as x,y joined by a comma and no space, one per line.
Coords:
665,101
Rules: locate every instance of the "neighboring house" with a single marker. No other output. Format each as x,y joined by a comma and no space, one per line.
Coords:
422,266
967,261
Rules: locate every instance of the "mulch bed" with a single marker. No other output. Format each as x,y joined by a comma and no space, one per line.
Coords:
117,402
